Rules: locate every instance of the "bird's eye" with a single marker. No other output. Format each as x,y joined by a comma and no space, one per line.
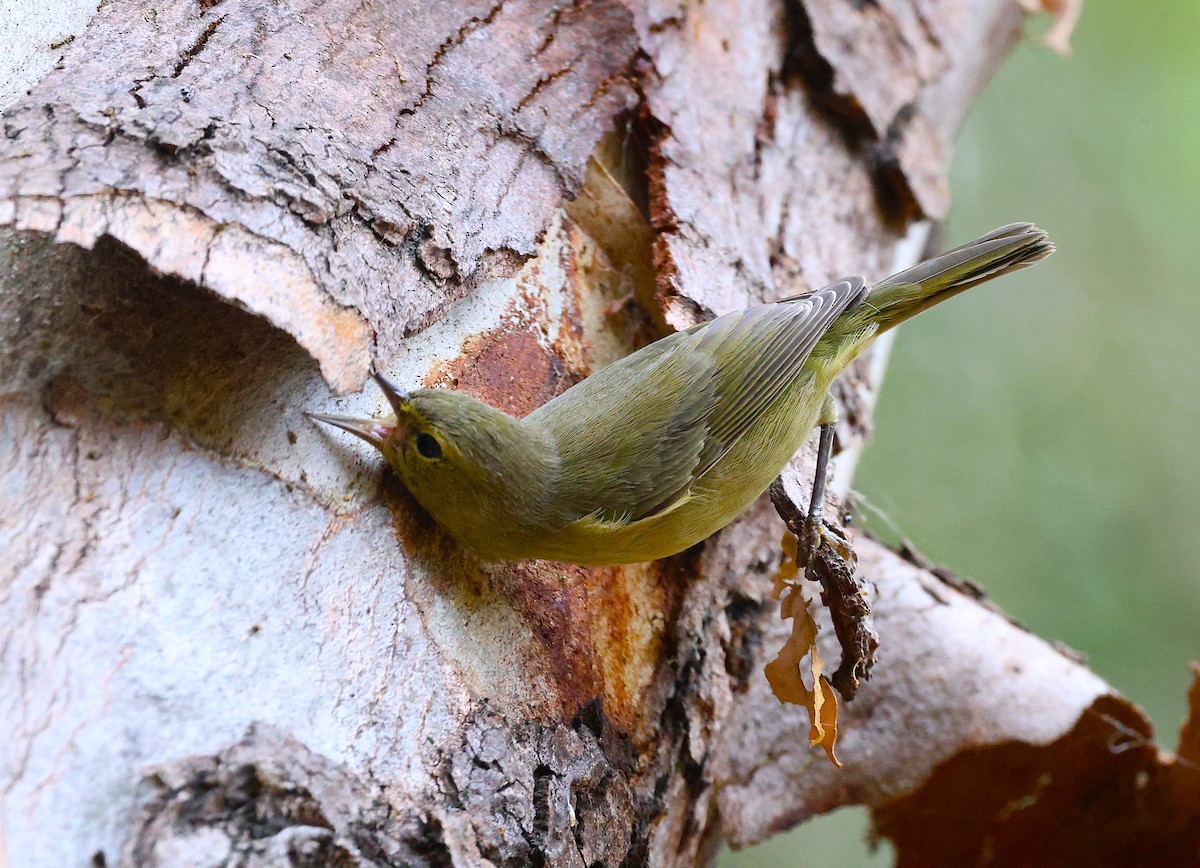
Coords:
428,446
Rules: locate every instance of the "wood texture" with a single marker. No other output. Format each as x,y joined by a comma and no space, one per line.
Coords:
343,169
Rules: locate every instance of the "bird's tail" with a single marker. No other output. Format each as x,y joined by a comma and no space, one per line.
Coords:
904,295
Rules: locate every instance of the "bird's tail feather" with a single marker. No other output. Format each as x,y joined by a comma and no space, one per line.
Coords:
904,295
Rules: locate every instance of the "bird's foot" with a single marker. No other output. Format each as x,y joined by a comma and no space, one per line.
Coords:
827,557
819,535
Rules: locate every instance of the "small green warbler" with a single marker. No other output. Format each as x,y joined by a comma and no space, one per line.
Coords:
664,447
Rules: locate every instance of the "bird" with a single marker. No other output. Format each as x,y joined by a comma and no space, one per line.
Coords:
660,449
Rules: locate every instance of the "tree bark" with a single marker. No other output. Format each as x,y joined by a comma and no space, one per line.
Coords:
232,639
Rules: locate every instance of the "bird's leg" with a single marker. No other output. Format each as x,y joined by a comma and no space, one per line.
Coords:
831,562
827,419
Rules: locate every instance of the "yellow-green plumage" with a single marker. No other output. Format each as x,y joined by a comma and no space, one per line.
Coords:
659,450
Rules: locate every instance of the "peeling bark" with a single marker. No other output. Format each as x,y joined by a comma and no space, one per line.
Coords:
234,638
341,169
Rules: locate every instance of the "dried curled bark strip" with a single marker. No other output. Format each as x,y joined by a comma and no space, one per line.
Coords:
832,563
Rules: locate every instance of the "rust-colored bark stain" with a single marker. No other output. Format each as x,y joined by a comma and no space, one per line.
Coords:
514,367
599,632
1100,795
663,221
605,629
509,368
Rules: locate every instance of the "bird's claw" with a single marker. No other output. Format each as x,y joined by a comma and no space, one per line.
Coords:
814,538
819,535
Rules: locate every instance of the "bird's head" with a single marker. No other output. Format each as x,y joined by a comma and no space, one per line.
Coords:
464,461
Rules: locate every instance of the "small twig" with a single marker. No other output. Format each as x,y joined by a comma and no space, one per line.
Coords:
831,562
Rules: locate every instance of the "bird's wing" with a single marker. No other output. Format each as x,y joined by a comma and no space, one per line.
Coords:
760,354
629,436
634,436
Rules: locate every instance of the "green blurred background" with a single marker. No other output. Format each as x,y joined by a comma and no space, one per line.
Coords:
1040,434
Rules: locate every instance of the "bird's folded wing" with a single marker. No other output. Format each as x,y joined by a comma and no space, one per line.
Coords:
629,436
758,353
633,437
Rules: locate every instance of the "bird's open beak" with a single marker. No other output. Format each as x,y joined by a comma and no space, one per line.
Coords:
373,431
396,397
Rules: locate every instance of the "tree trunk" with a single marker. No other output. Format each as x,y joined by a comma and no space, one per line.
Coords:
233,639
